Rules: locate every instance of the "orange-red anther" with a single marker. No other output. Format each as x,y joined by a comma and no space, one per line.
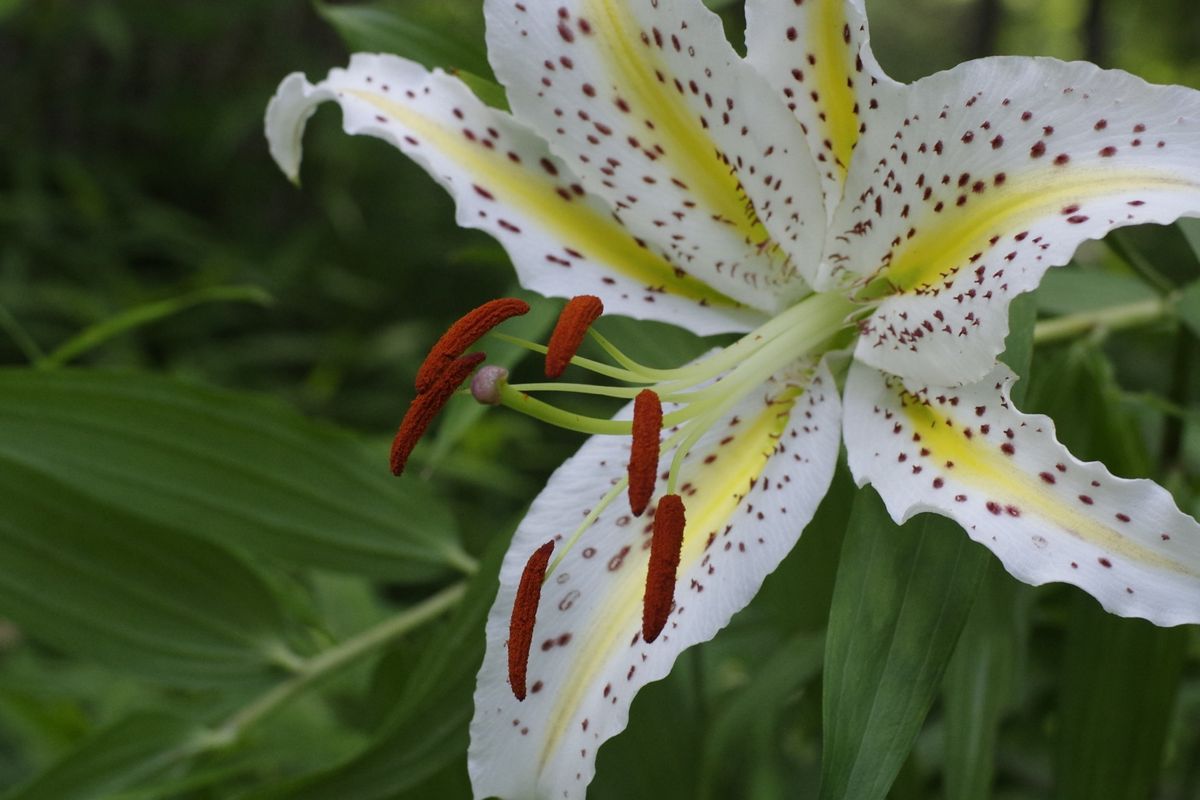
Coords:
425,407
576,317
665,545
469,329
643,457
524,615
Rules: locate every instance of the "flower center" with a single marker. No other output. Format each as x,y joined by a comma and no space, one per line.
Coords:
683,402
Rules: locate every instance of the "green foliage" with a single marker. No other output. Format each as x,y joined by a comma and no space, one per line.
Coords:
902,597
238,470
210,587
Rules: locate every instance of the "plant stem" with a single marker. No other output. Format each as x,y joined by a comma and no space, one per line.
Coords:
1128,315
328,662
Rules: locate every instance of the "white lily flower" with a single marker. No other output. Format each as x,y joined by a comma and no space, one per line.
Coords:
804,197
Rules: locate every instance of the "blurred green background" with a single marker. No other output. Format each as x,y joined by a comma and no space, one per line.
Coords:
133,172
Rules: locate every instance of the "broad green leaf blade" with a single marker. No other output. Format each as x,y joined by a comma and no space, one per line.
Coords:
901,598
1119,682
117,758
389,27
980,683
96,335
1070,290
232,468
97,582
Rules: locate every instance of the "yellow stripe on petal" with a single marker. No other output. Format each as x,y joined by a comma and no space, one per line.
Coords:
829,40
711,497
595,235
956,236
690,150
977,460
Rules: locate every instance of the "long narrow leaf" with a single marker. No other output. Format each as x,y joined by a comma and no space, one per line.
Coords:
902,596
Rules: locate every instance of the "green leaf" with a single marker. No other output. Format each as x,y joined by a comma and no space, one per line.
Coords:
654,758
117,758
1070,290
96,335
747,726
1018,345
100,583
981,682
231,468
1118,686
1187,307
1119,677
427,728
901,598
1190,227
388,27
796,596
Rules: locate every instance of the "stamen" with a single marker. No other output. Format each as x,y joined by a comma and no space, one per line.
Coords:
426,405
643,457
665,545
485,386
524,615
576,317
469,329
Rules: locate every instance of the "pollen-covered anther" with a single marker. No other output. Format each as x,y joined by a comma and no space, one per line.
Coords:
665,545
426,405
469,329
485,386
643,457
577,316
524,615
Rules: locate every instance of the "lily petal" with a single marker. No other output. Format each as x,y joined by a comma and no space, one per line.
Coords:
750,486
660,117
968,454
506,182
818,57
983,178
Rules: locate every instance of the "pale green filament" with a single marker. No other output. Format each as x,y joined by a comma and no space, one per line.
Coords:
627,392
579,361
612,494
703,392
